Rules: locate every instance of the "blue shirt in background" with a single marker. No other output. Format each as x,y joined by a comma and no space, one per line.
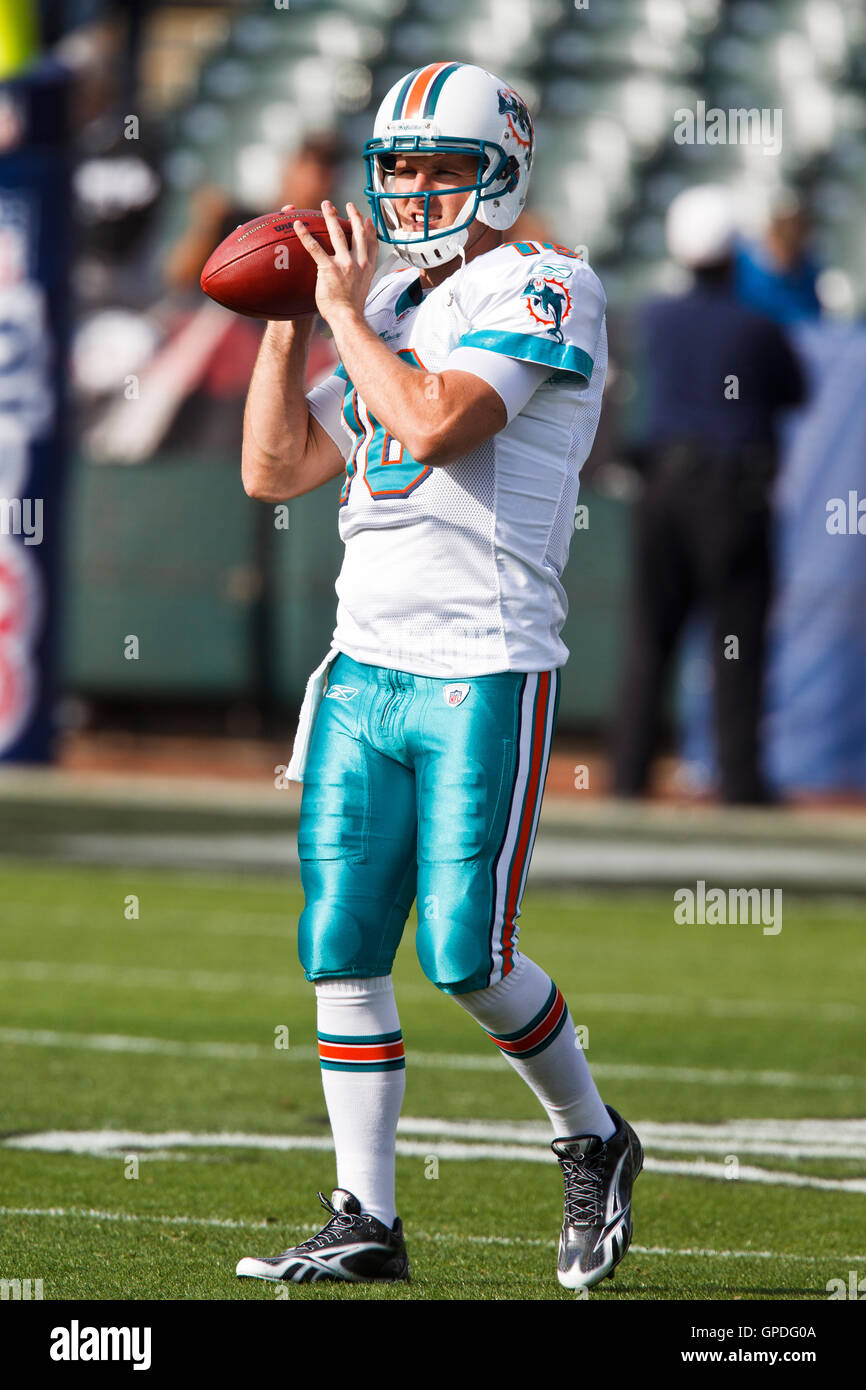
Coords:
785,296
693,344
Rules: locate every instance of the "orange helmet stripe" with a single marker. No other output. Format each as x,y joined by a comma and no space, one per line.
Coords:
415,100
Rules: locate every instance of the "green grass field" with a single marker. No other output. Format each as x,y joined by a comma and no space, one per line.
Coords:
164,1027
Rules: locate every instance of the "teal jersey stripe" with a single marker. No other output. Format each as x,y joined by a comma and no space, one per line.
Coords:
413,294
340,370
398,1064
567,360
361,1040
350,414
433,94
402,95
521,1032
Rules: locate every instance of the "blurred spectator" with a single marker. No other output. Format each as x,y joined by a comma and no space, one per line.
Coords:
195,376
777,276
718,376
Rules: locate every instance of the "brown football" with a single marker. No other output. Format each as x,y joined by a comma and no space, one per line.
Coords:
263,271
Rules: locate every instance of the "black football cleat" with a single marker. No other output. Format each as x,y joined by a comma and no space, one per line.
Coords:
597,1223
352,1246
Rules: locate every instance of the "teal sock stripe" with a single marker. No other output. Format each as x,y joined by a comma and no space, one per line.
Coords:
361,1040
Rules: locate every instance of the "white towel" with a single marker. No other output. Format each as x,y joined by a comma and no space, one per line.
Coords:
312,699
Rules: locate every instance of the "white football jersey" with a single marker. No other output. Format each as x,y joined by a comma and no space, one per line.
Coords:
454,570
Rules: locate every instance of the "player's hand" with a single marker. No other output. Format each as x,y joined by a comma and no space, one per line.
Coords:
343,280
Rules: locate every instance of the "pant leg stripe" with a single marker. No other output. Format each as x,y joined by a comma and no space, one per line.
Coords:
533,744
534,787
549,725
512,826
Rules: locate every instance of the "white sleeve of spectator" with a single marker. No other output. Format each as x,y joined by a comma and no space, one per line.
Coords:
325,404
515,380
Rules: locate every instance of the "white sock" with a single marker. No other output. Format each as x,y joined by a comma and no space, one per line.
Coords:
526,1017
363,1077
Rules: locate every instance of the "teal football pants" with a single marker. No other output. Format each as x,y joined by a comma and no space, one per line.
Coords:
422,787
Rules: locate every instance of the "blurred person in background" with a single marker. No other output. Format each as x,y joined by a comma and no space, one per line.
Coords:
777,275
193,357
718,375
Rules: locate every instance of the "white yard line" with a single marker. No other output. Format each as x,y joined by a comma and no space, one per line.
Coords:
132,1218
119,1143
225,981
456,1061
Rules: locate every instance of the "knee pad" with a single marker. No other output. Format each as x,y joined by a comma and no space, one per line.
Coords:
454,959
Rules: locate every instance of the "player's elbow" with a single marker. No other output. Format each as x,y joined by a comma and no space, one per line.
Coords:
259,486
434,447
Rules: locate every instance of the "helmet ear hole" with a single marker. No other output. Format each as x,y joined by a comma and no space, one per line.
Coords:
511,173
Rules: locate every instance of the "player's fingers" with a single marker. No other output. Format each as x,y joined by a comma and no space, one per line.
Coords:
335,231
360,244
287,207
372,239
309,243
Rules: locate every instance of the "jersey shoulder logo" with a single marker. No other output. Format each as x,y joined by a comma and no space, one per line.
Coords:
341,692
455,694
548,298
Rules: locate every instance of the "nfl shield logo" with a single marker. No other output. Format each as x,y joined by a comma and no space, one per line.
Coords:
455,694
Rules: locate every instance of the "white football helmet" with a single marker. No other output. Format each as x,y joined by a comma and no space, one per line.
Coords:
459,109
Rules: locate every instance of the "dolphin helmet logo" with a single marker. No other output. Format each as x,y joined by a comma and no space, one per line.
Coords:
516,113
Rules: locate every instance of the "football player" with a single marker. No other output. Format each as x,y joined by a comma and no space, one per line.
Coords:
466,401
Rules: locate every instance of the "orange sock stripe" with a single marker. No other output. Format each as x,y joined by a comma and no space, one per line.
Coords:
372,1052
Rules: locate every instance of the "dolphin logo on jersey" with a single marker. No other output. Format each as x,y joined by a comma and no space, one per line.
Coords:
516,112
548,294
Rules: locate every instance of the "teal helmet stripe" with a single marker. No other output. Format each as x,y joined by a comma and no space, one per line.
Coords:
403,93
436,88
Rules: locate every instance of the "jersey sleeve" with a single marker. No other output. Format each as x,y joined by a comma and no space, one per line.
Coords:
514,379
535,304
325,404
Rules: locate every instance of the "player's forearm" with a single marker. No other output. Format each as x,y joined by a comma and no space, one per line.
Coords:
276,418
413,406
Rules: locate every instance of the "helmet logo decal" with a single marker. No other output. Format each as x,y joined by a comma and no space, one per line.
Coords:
548,298
516,113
